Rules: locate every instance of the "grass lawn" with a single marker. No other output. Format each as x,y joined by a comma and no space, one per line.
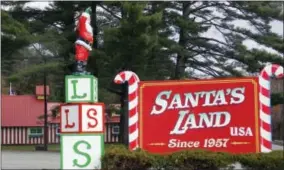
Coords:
53,147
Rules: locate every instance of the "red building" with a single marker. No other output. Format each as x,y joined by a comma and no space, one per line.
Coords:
21,123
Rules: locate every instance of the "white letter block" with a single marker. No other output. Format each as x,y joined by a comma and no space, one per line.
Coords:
80,118
92,117
83,88
69,115
81,151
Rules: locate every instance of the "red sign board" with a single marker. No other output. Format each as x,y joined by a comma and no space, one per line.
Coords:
215,114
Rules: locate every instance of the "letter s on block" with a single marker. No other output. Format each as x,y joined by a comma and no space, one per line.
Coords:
160,102
92,117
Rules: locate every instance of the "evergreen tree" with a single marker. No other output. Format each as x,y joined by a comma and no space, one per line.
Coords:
146,36
211,56
134,42
46,43
53,31
14,36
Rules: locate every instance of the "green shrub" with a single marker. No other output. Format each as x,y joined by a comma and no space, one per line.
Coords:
262,161
120,158
117,158
197,160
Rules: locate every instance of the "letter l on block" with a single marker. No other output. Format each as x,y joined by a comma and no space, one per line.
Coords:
81,88
75,95
69,118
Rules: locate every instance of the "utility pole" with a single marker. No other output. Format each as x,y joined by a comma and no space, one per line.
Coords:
282,12
124,114
45,126
45,110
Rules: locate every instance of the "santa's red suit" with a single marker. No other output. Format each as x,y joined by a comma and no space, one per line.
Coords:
85,40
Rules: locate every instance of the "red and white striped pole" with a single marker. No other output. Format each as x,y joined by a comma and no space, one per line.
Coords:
132,80
269,71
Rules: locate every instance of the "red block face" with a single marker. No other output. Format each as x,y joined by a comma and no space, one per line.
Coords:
82,118
216,115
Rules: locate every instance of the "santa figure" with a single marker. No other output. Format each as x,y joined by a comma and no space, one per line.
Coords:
83,44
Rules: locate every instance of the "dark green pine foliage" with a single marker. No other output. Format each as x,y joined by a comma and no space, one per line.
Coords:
14,36
45,43
259,15
267,11
226,56
134,44
160,61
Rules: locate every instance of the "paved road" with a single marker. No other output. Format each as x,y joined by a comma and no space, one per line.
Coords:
277,147
42,160
30,160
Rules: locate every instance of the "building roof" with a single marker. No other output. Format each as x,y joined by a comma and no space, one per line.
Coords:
22,110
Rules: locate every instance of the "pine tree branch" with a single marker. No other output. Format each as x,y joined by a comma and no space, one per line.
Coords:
114,15
56,26
205,51
251,19
217,26
208,20
211,39
203,7
206,71
206,66
225,37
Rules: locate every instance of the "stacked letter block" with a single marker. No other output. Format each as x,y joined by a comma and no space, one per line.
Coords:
82,124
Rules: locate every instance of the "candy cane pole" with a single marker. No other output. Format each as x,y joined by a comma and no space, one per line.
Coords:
269,71
132,80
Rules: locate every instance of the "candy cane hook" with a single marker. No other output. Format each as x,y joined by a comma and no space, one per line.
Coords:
132,80
269,71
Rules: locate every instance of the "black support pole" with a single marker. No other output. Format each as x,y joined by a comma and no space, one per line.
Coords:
121,122
126,122
124,114
45,111
283,86
283,111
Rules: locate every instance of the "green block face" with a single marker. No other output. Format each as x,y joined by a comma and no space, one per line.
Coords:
81,88
81,151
